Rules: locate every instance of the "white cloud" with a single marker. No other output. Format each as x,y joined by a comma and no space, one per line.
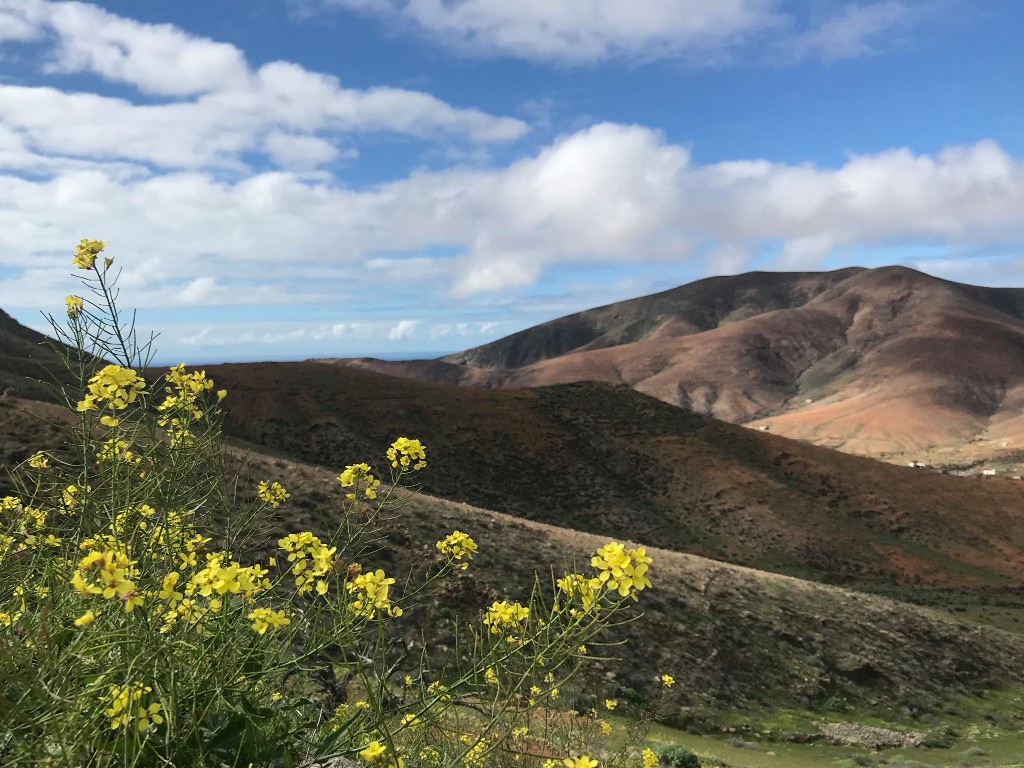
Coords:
21,20
157,58
289,150
728,259
215,109
402,330
607,195
853,31
701,32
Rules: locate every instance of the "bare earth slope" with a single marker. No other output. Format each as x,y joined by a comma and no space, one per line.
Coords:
25,358
732,636
616,462
889,362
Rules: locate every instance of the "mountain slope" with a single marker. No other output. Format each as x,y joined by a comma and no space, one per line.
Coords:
26,357
616,462
889,362
733,637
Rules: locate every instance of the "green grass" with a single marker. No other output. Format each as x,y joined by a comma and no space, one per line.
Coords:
1001,749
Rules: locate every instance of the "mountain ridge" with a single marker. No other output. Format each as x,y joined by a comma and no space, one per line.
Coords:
887,362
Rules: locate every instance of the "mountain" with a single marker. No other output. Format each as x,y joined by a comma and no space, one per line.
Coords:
889,362
26,358
615,462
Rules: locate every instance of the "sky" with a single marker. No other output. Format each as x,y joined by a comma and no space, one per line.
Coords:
284,179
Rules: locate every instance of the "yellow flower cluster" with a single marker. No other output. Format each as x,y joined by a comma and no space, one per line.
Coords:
620,569
310,559
370,591
183,404
404,451
115,385
223,576
74,305
39,460
503,615
273,493
187,388
265,618
114,449
650,758
456,546
86,252
477,755
108,573
126,707
355,474
577,586
583,761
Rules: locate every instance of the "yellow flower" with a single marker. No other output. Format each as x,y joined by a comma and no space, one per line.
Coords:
505,615
86,252
149,716
356,473
650,758
74,305
403,451
113,384
580,762
610,704
668,681
272,493
491,676
370,591
131,600
620,569
126,706
457,545
372,752
39,460
606,727
86,618
265,618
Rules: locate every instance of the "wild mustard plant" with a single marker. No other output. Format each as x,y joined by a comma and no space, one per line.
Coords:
138,627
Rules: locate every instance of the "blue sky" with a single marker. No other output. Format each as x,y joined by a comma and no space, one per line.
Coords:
296,178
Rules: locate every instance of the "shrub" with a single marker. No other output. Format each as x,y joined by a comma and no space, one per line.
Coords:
680,757
140,627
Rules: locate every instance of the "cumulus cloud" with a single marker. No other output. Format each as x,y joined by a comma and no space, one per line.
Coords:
402,330
606,195
701,32
211,108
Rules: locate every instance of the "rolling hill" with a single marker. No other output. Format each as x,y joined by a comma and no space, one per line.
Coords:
889,362
735,638
616,462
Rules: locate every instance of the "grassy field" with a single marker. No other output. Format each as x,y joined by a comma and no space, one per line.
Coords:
978,747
